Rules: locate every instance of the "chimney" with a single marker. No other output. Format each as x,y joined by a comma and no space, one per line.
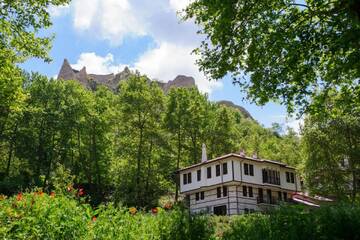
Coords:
203,153
242,152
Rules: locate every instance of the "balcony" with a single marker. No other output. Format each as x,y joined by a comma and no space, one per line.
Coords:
267,200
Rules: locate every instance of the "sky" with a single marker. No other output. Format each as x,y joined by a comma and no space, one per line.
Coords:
107,35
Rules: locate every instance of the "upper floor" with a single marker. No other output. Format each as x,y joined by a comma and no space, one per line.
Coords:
238,168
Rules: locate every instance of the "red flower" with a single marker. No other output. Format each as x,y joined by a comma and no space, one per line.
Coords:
93,218
168,206
19,196
154,210
52,194
81,192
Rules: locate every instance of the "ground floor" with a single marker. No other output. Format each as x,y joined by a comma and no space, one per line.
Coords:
240,198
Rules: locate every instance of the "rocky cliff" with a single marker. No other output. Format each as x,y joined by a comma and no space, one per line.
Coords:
91,81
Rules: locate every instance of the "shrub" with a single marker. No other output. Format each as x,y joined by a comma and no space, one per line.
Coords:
41,216
38,215
294,222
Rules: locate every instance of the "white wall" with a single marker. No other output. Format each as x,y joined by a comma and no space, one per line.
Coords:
239,174
205,182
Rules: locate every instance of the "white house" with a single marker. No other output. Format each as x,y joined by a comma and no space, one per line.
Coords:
236,184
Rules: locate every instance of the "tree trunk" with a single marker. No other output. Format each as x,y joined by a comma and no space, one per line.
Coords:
12,141
94,153
138,168
178,167
148,174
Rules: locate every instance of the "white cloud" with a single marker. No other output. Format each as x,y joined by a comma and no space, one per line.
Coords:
169,60
163,63
57,11
179,5
97,64
295,124
115,19
107,19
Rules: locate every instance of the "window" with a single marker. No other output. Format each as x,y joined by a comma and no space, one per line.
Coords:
202,195
209,172
217,170
246,169
197,197
218,192
220,210
199,175
287,177
225,191
184,178
251,192
246,210
225,169
292,177
244,191
189,177
279,196
251,169
271,176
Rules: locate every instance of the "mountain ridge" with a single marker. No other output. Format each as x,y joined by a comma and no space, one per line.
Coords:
111,80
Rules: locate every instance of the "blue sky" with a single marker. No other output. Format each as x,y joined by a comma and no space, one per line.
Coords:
107,35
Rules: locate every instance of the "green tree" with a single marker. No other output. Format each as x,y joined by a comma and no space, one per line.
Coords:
141,104
288,50
332,146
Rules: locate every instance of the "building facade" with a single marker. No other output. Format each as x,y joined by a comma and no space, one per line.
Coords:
236,184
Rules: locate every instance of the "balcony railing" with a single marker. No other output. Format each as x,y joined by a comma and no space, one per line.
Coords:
267,200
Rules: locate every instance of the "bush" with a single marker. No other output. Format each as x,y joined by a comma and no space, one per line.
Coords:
41,216
38,215
295,222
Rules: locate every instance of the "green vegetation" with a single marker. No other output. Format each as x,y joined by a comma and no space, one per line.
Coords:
124,146
289,50
37,215
121,149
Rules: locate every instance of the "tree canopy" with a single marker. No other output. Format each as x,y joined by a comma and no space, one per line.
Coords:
286,51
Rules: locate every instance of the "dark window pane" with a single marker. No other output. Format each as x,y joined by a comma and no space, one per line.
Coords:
220,210
197,196
184,179
225,169
189,177
265,176
217,170
251,192
225,191
202,195
218,192
279,196
285,196
292,177
199,175
287,177
251,168
246,169
209,172
244,191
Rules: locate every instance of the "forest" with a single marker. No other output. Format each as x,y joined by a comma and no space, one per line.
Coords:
125,145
